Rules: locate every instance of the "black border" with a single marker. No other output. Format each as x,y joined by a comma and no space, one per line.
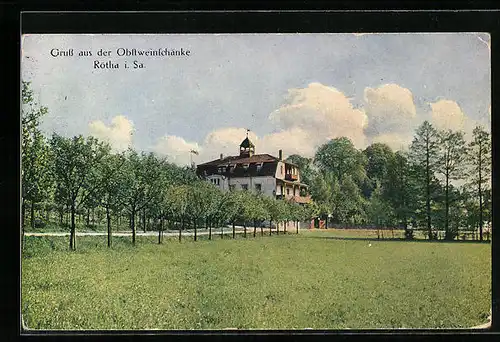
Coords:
228,20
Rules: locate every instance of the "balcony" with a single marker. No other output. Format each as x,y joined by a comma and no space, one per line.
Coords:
291,177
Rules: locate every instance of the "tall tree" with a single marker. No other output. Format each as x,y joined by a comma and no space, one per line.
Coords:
379,158
141,180
36,180
451,165
480,169
110,176
424,156
399,190
342,158
379,211
75,166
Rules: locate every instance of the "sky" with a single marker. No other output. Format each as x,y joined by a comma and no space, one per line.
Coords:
292,91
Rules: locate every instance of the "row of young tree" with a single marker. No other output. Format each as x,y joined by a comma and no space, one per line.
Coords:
71,175
417,189
441,183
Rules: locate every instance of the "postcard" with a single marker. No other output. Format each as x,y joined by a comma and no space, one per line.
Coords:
255,181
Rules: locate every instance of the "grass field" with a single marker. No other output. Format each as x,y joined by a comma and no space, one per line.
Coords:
310,280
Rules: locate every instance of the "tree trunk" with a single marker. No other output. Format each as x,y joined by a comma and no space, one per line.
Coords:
270,226
222,230
108,222
326,222
480,208
261,230
277,227
254,227
88,217
195,230
144,220
160,230
244,229
234,233
180,229
428,191
297,226
32,214
209,230
447,234
72,239
132,225
61,216
23,221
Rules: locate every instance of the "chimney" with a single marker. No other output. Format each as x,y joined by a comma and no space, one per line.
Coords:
280,154
221,156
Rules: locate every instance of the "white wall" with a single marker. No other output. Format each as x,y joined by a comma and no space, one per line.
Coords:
268,183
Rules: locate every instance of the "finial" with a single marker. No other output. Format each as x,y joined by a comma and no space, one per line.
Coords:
247,132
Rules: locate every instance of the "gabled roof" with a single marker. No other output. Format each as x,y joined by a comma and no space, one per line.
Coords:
235,160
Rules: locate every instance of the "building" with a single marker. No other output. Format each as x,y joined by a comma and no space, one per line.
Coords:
257,172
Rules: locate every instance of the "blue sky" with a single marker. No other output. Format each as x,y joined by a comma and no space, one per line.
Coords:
293,91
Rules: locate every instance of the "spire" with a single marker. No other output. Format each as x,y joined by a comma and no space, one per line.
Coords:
247,148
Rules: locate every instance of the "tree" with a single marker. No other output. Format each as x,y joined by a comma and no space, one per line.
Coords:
75,165
258,212
399,190
480,169
177,201
350,204
325,191
340,157
379,212
379,158
200,196
234,208
141,183
424,156
451,165
110,176
36,180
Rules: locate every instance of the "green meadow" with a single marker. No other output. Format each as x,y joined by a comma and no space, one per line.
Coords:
310,280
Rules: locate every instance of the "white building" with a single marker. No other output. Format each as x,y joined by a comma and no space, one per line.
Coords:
257,172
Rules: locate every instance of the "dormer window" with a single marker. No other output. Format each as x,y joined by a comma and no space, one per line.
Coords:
259,167
245,166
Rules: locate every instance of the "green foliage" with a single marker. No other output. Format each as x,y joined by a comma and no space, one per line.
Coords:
379,159
340,157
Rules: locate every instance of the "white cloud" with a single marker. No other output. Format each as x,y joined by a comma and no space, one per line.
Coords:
395,141
391,114
447,114
118,134
176,149
321,113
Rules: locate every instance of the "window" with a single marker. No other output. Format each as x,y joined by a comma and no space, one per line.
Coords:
259,166
258,187
218,181
231,187
244,186
245,166
288,191
281,169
